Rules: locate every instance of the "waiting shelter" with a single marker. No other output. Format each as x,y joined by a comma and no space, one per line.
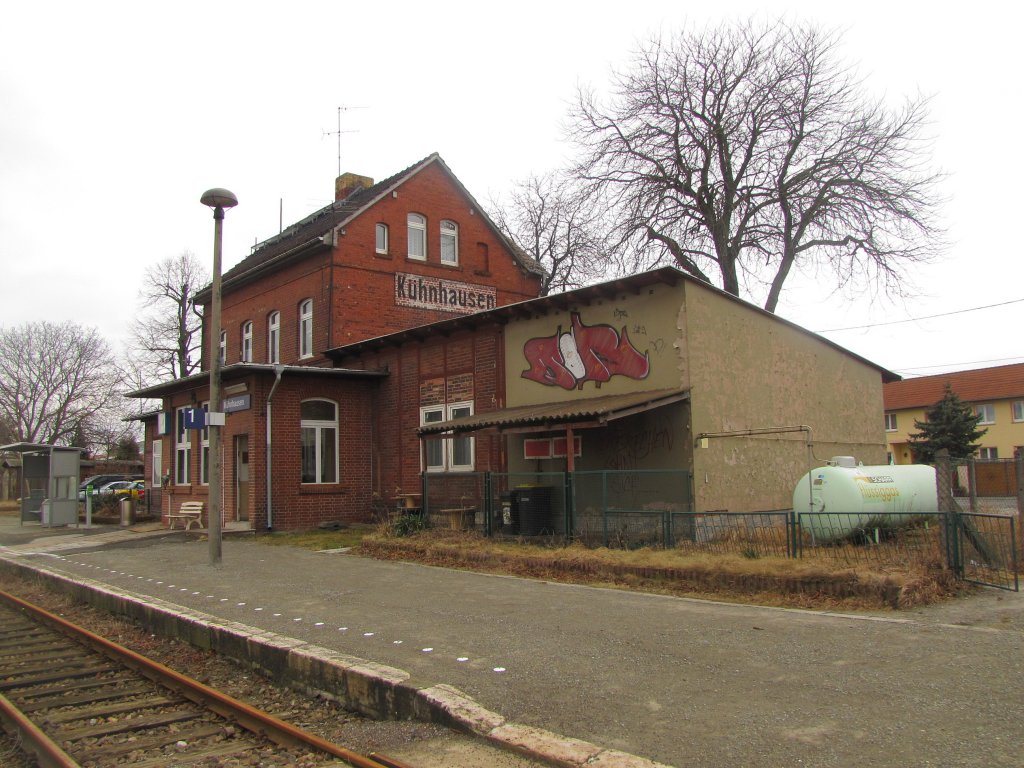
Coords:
49,482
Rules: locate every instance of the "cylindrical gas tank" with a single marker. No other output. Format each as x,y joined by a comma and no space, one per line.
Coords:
855,494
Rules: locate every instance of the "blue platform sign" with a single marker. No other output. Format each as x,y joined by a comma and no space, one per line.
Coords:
195,418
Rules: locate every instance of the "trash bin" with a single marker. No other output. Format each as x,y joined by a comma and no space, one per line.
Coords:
532,508
128,511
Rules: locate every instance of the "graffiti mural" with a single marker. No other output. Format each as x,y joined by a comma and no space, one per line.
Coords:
583,353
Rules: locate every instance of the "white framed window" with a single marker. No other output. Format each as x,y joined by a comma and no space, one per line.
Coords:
247,341
319,433
157,475
182,449
988,453
417,237
1018,410
434,449
460,449
987,411
306,328
223,347
890,422
204,453
452,454
449,242
274,338
382,238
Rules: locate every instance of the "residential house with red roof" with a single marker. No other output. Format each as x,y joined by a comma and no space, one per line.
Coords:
997,394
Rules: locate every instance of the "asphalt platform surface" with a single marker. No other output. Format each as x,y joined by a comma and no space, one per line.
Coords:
678,681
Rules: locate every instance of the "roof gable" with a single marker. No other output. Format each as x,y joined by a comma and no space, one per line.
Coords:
979,385
316,230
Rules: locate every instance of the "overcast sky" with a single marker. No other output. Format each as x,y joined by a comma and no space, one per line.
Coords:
115,117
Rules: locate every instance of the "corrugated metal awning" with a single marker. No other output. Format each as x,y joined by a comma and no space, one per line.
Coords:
585,412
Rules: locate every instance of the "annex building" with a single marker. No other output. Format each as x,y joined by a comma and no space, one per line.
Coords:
397,335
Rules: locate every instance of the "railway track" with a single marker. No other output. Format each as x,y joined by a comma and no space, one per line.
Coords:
77,699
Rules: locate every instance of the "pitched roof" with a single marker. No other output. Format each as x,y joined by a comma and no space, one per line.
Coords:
310,233
979,385
561,301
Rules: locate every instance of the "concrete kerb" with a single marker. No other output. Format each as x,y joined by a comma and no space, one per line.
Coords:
372,689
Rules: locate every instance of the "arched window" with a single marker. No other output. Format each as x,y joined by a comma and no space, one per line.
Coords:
319,423
449,242
223,347
274,338
247,341
382,238
306,328
417,237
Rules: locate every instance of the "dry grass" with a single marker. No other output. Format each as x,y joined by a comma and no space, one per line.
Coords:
767,580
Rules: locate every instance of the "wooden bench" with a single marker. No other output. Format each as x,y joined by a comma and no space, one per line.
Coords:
189,512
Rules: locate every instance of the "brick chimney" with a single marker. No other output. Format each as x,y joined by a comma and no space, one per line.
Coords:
348,183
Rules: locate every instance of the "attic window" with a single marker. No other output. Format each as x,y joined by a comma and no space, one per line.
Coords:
449,242
382,238
417,237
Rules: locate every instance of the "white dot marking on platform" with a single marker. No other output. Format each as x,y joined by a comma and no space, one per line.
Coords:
463,658
240,604
499,669
367,634
277,614
397,642
343,629
318,624
298,619
257,609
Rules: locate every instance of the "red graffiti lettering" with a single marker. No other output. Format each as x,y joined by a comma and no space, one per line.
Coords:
587,353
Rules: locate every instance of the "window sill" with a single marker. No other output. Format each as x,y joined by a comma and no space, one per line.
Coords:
322,489
380,255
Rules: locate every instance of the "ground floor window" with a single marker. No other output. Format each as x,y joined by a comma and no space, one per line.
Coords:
182,449
453,454
204,456
319,441
158,464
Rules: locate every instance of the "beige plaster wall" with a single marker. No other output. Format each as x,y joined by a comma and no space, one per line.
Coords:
648,321
748,371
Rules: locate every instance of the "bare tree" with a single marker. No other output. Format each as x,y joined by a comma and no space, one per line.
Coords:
166,336
741,152
57,382
554,221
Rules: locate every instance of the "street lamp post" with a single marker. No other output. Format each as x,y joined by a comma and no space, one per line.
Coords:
218,199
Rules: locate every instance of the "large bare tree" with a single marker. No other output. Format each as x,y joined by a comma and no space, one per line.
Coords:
58,382
741,152
166,335
551,219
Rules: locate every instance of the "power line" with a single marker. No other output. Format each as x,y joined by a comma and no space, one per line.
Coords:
916,319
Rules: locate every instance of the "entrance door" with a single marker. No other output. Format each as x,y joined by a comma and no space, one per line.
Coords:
241,477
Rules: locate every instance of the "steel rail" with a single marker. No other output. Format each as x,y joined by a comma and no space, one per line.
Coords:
47,753
250,718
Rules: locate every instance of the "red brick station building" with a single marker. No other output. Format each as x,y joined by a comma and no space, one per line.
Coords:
397,330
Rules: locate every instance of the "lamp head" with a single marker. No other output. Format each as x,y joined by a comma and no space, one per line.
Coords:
219,198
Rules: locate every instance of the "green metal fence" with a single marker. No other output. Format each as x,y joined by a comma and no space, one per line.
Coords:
654,508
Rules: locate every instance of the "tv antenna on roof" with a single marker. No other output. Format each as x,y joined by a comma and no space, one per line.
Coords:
338,132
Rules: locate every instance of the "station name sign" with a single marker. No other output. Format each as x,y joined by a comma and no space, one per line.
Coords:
443,295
